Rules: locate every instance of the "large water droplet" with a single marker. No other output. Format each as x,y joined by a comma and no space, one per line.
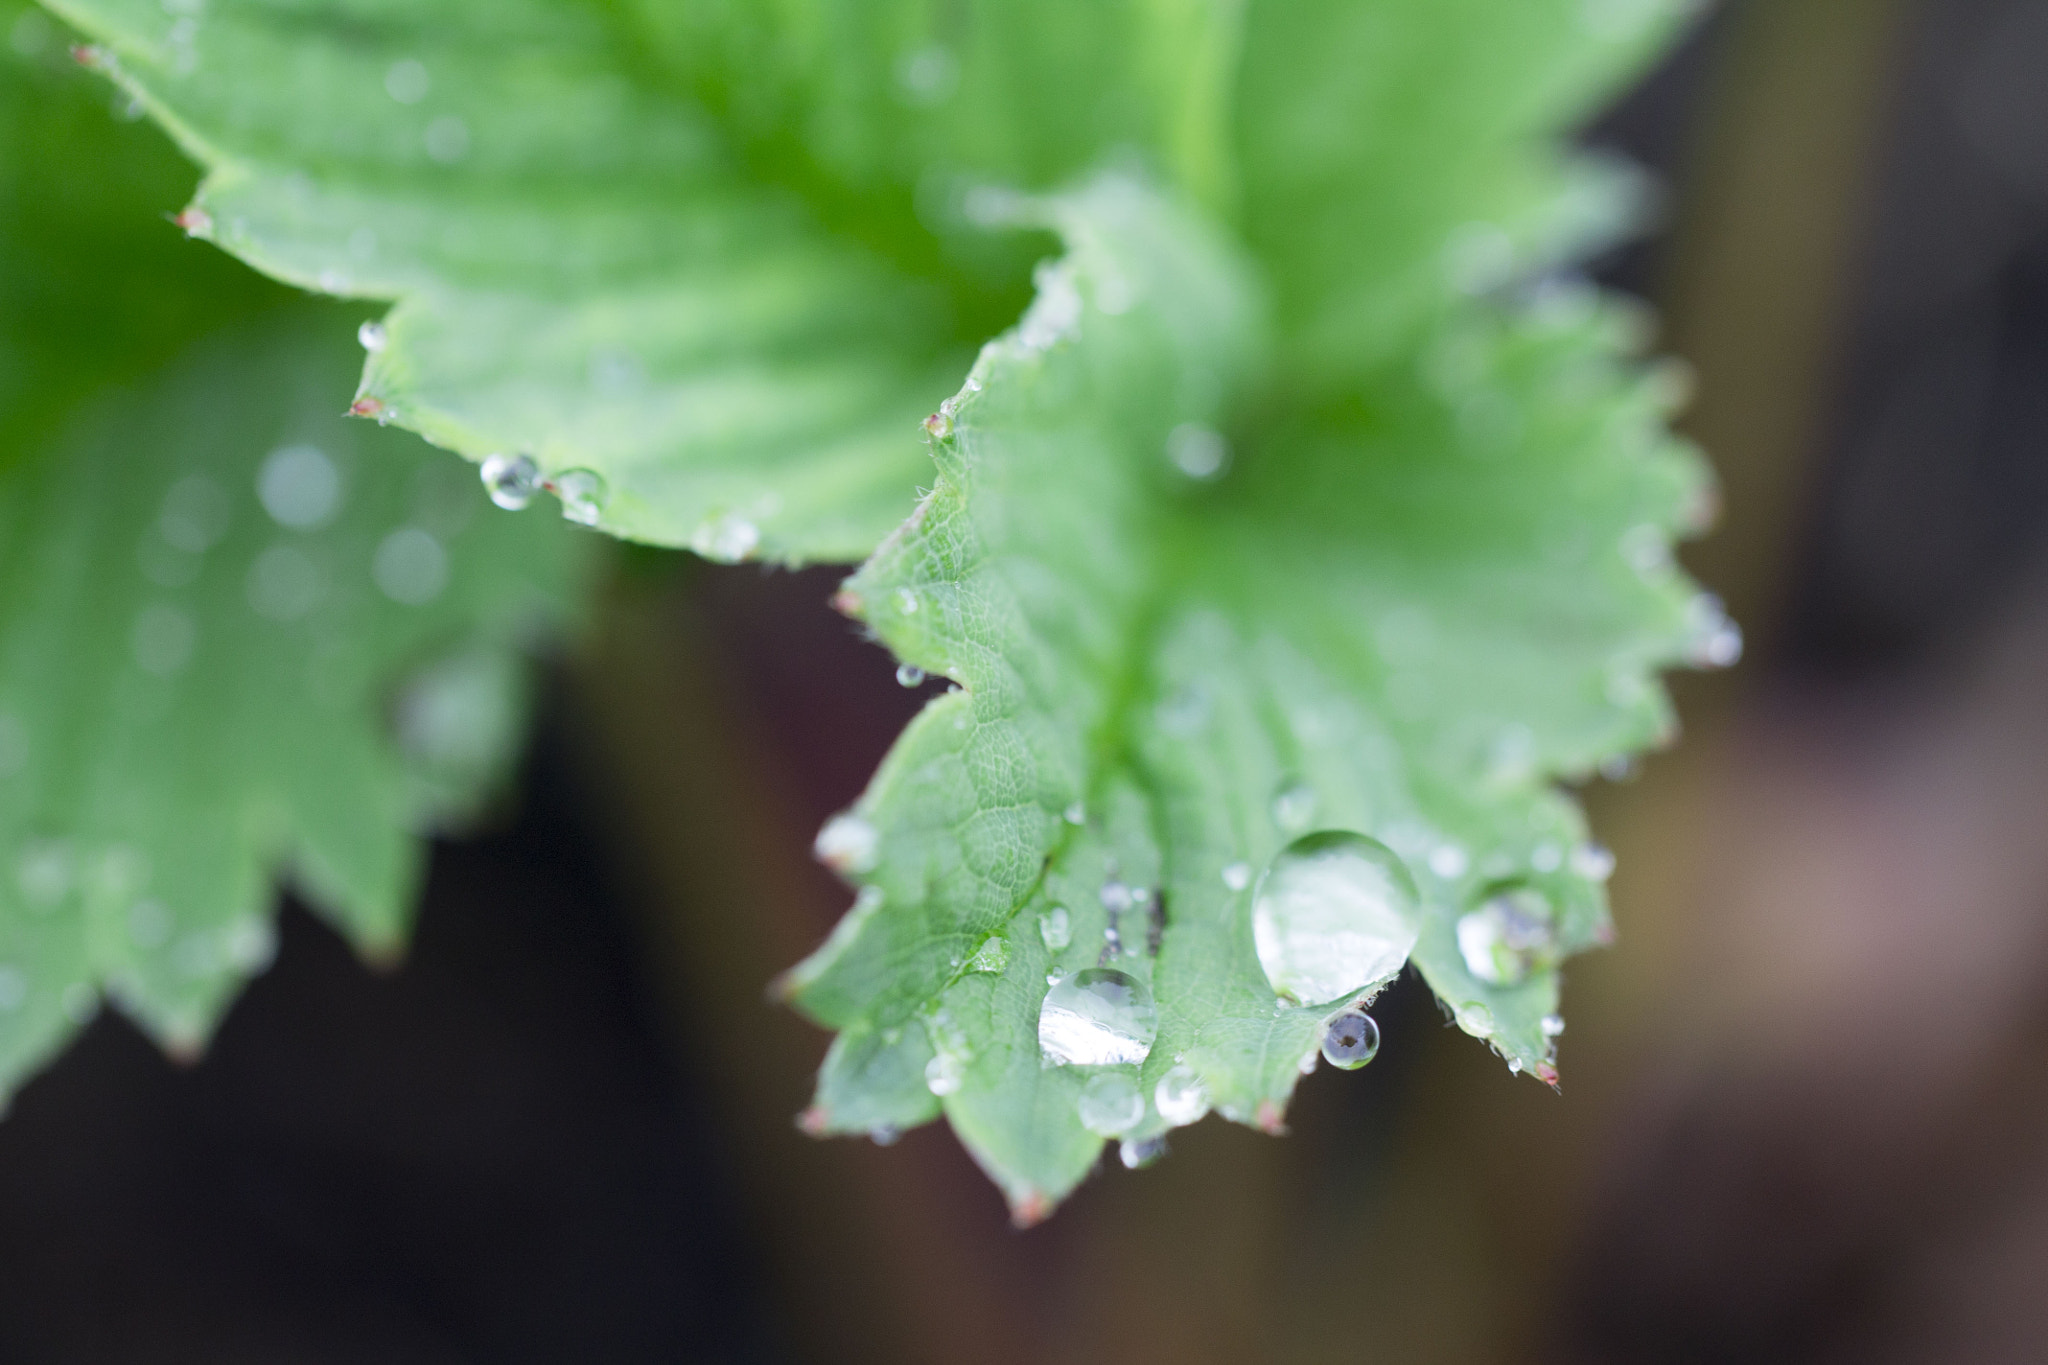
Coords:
1294,805
1180,1097
1351,1040
1056,928
1111,1104
1508,937
848,843
1335,913
299,486
1098,1017
511,480
583,493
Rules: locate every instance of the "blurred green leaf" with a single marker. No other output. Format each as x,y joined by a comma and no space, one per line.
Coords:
241,637
1402,619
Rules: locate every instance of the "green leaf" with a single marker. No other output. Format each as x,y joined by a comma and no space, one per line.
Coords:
1402,615
239,636
715,254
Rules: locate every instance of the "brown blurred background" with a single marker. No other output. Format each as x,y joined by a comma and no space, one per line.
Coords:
1800,1119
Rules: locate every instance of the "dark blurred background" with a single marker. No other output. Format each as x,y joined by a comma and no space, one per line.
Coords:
1801,1117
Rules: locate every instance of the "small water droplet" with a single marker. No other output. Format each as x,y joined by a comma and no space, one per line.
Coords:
726,539
944,1073
884,1134
1508,937
1077,814
410,567
1116,897
1335,913
1237,876
1111,1104
992,956
1294,806
372,336
848,844
1553,1025
511,480
1138,1155
446,139
299,486
1055,927
583,494
906,601
406,81
1619,768
1181,1097
1514,1066
1098,1017
249,944
1198,452
162,640
1594,863
939,426
1448,861
1351,1040
1475,1018
909,675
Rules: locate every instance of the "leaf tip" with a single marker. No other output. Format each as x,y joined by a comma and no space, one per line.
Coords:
194,221
1029,1208
367,406
91,56
1272,1119
814,1122
848,603
1546,1072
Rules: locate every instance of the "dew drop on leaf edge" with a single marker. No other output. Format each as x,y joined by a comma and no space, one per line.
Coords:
1509,936
1351,1040
511,480
1335,912
1111,1104
1180,1097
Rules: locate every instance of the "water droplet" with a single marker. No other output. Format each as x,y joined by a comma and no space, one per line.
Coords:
848,844
583,494
944,1073
1553,1025
1645,548
162,640
410,566
1138,1155
446,139
1448,861
1198,452
1077,814
1294,806
992,956
1237,876
299,486
1351,1040
372,336
1098,1017
1056,928
1111,1104
149,923
1719,648
511,480
1594,863
407,81
1508,937
283,584
1116,897
13,988
1619,768
909,675
195,514
726,539
45,873
1180,1097
1335,913
906,601
1475,1018
884,1134
927,75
